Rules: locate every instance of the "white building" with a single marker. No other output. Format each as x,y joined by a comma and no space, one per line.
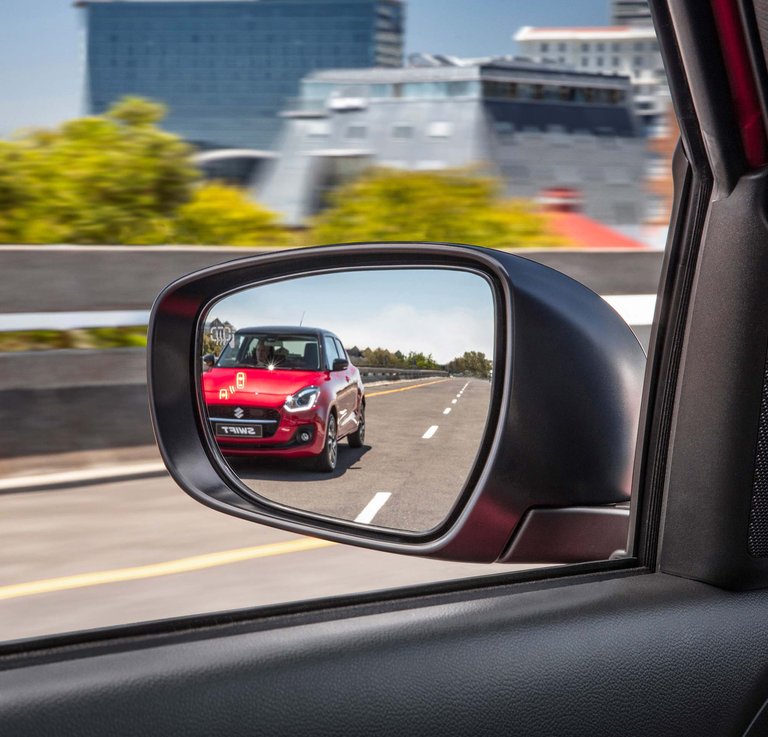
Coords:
625,50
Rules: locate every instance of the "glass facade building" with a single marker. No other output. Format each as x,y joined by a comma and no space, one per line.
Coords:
226,69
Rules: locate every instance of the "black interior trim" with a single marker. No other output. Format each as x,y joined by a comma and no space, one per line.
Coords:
629,656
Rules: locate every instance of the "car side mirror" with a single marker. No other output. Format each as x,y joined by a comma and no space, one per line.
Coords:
497,398
340,364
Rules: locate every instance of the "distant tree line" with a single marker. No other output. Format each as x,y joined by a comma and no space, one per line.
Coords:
471,363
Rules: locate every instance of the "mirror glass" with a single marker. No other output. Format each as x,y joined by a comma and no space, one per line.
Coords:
359,395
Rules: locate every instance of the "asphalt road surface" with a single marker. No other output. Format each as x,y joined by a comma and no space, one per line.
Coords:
134,551
421,442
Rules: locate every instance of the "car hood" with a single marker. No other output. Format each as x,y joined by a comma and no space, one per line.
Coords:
256,386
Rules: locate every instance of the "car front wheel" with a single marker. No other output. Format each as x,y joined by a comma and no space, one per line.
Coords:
330,454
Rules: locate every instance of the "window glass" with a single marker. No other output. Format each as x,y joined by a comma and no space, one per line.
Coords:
331,351
262,120
340,349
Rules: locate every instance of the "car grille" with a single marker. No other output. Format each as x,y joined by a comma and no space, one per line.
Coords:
249,413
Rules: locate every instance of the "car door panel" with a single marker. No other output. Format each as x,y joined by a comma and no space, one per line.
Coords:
641,655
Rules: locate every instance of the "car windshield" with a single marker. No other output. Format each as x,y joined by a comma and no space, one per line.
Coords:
271,351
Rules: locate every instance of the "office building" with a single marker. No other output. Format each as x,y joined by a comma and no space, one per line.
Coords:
540,128
627,50
226,68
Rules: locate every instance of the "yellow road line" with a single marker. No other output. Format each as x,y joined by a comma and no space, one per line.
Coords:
182,565
406,388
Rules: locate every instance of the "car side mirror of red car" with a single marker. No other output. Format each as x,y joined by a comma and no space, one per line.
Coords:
492,417
340,364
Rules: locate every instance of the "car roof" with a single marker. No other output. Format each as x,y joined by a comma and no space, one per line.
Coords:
287,329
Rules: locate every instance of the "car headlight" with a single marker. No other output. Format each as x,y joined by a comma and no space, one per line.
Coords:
303,399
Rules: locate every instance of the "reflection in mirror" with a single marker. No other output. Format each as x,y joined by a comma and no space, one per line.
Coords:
360,395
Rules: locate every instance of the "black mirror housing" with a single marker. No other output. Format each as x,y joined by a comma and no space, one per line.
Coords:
560,436
340,364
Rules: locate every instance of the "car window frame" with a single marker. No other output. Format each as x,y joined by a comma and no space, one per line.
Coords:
693,187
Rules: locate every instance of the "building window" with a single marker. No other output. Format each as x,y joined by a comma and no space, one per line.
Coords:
616,61
402,131
430,165
600,47
585,47
584,61
461,89
599,61
544,48
440,129
357,131
561,47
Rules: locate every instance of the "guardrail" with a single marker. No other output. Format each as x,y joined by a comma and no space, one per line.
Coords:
369,374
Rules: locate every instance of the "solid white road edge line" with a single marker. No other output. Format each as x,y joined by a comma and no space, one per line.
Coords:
90,474
372,508
636,309
429,433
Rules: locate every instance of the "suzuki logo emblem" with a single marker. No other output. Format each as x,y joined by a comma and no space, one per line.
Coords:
239,413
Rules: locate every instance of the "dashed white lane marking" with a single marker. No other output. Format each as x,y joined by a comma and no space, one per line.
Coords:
453,401
447,411
372,508
465,386
429,433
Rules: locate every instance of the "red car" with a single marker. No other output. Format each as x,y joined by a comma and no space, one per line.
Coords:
285,391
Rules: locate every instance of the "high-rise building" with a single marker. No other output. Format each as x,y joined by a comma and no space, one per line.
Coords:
630,13
225,68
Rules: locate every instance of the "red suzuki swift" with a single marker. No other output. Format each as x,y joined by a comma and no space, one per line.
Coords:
285,391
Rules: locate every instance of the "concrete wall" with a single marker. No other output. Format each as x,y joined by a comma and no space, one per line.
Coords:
59,401
59,278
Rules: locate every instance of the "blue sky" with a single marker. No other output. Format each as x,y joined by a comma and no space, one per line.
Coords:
435,311
41,45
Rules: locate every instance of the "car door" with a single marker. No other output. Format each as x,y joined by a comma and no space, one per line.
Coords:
672,639
343,387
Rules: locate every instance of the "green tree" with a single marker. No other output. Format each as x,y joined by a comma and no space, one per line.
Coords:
420,361
221,215
15,193
115,178
456,205
473,363
118,178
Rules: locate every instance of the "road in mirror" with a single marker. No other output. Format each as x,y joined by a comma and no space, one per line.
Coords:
360,395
